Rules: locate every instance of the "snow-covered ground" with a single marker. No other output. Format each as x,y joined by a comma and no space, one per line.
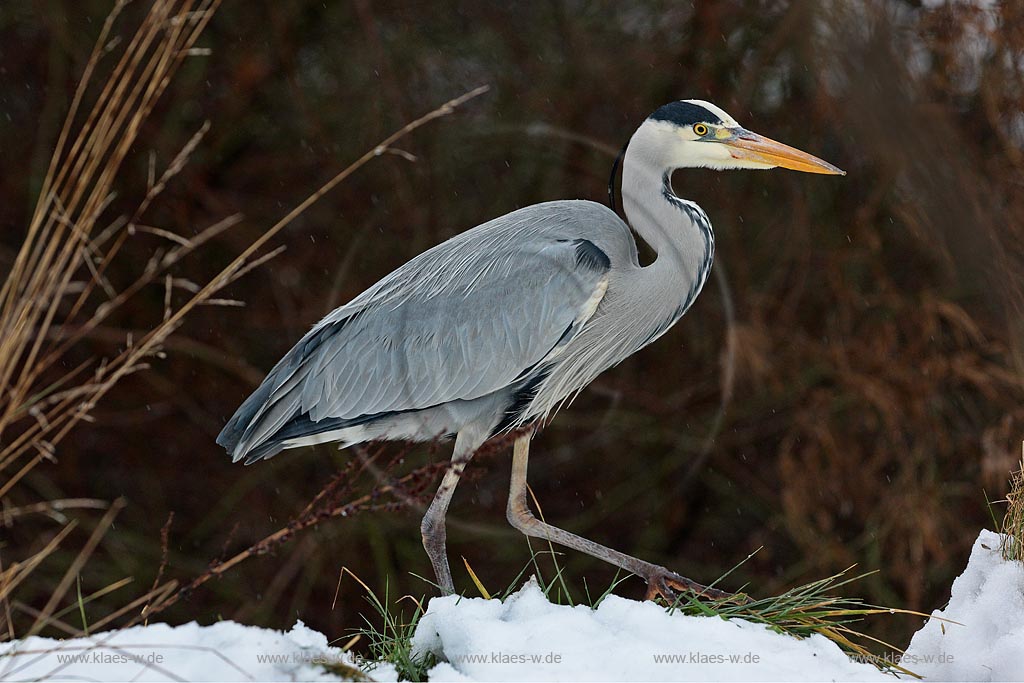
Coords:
986,642
978,636
527,638
225,651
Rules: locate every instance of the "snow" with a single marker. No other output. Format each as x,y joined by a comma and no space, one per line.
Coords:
527,638
979,636
986,642
225,651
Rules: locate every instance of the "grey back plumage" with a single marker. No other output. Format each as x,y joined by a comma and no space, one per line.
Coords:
495,328
492,308
504,324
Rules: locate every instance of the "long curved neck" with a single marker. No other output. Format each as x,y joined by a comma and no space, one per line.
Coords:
677,230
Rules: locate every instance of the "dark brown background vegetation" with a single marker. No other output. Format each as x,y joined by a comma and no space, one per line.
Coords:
846,390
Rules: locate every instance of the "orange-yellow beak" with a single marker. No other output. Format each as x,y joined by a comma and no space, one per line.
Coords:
746,145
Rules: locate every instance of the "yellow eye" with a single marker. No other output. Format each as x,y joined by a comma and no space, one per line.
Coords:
700,129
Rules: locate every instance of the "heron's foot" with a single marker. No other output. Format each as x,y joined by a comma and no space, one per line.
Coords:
667,585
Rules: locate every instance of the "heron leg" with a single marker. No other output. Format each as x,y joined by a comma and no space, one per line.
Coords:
433,525
660,581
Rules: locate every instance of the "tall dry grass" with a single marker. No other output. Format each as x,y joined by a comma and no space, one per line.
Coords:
56,293
1012,525
56,296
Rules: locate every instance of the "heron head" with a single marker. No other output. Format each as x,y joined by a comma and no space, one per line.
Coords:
695,133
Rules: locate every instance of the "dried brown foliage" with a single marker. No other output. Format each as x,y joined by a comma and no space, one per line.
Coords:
57,294
56,291
843,391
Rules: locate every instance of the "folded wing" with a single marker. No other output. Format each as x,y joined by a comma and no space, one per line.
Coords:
458,322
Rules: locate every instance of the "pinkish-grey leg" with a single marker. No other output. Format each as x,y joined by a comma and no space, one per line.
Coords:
660,581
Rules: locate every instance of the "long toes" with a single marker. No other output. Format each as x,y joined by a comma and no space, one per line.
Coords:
665,584
682,583
657,587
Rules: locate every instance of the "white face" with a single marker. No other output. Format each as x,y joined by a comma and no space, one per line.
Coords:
719,142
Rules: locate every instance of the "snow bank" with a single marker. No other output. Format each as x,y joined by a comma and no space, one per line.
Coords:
987,642
225,651
527,638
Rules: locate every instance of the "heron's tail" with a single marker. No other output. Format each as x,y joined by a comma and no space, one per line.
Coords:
269,421
241,424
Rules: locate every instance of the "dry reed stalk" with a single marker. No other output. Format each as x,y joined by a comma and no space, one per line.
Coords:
61,241
409,491
1013,522
45,309
48,302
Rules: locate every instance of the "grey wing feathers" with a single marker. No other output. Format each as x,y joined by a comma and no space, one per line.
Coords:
460,321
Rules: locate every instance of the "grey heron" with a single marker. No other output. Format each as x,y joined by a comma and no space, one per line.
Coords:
498,327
